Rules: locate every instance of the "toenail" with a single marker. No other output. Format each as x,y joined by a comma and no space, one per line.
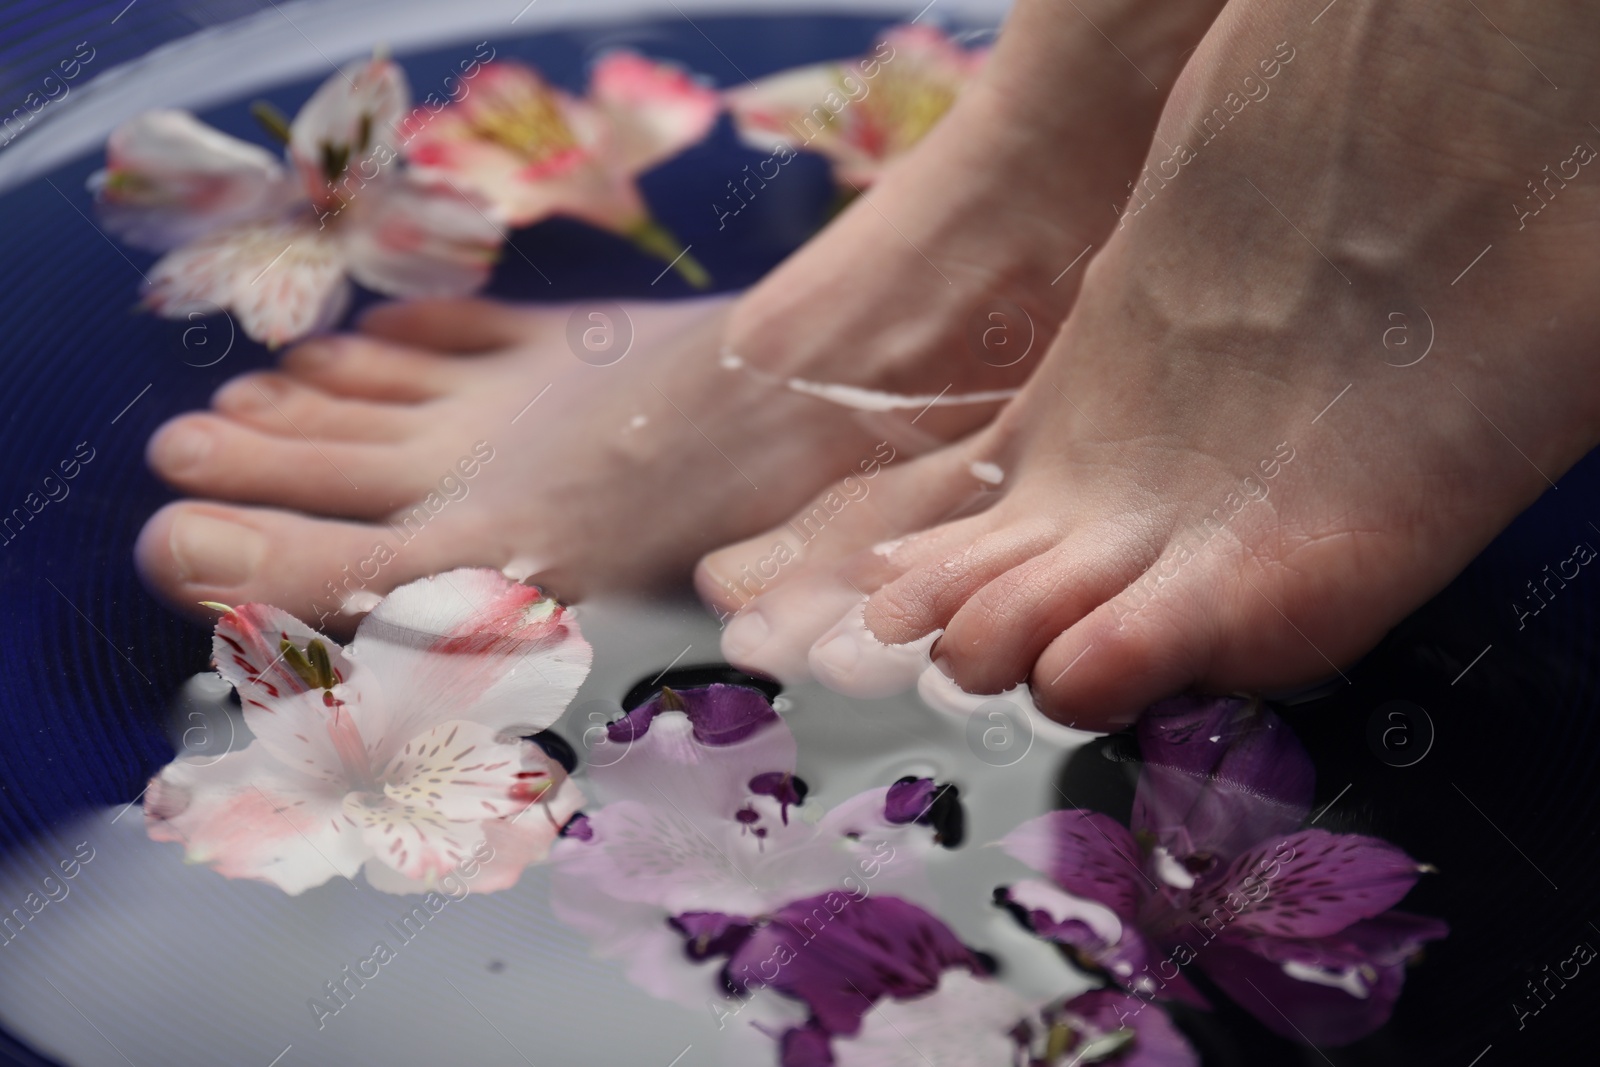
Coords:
180,448
747,632
942,663
840,655
215,552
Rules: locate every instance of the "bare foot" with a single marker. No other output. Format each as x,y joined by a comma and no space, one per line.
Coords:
465,433
1315,371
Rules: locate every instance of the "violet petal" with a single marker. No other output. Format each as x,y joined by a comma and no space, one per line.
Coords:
838,954
1086,853
1309,884
720,714
1219,775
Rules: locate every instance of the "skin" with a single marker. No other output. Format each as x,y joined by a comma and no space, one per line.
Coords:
1228,473
293,479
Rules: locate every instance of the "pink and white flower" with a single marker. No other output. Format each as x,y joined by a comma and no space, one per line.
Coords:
861,114
277,245
401,754
533,151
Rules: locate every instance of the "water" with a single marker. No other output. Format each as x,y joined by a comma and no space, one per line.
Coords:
144,960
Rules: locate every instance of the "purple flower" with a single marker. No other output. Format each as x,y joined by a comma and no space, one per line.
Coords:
885,983
698,829
1293,924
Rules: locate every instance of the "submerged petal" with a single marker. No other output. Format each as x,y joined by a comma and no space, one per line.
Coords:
963,1022
1329,991
842,953
1309,884
408,240
283,280
468,644
1218,776
1088,854
170,178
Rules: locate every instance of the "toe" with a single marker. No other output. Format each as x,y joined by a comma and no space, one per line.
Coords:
991,642
838,529
192,551
774,635
462,326
1122,657
280,405
945,566
365,368
217,457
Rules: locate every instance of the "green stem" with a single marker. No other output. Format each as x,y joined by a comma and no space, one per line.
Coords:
651,237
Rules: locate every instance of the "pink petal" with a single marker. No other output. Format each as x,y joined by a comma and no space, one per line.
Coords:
248,816
406,240
468,644
655,110
281,280
1310,884
1088,854
170,178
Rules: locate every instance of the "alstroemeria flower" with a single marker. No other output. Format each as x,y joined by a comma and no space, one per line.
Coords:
860,114
1294,924
886,983
701,817
533,151
277,246
402,753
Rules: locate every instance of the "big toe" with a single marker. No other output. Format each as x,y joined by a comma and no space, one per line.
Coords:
190,552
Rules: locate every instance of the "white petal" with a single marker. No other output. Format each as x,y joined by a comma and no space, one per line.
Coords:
965,1022
247,650
469,644
281,280
406,240
353,117
708,781
248,816
170,178
460,770
415,840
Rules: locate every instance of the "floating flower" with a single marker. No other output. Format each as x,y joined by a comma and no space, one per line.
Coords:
860,114
701,819
886,983
533,151
402,753
1294,924
277,246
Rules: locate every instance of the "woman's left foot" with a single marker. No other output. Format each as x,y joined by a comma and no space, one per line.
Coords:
1247,454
